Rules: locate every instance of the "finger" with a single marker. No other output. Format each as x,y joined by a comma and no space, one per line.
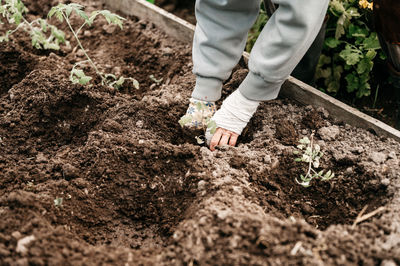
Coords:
233,139
215,138
225,138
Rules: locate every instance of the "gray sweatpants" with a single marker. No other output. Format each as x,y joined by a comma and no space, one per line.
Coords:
220,38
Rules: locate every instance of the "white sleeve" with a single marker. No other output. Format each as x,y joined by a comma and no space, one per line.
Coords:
234,114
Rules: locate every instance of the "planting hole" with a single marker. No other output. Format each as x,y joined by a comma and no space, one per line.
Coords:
337,201
135,193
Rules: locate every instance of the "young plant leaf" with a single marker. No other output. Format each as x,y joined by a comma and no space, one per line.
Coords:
85,80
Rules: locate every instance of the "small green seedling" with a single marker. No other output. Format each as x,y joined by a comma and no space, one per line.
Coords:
311,154
43,34
63,13
156,81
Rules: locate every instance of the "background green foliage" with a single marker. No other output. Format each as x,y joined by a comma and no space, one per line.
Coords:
350,49
256,29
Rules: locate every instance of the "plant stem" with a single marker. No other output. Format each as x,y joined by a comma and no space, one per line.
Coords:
27,22
83,49
77,32
17,28
311,159
20,25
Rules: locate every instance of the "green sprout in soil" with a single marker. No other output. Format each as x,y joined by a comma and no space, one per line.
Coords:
43,34
156,81
311,153
63,12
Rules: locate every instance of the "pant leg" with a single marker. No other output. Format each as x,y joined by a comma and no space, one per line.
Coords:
305,70
219,41
282,43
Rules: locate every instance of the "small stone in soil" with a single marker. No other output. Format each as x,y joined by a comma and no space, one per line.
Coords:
80,53
40,158
329,133
378,157
385,182
201,185
167,51
22,243
349,170
112,126
87,33
392,155
267,159
17,235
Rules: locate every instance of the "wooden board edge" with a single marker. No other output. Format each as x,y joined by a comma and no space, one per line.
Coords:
172,25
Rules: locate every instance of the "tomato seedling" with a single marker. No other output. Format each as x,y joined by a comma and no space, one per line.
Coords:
63,13
311,153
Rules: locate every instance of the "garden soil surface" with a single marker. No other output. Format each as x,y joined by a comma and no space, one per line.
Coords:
92,175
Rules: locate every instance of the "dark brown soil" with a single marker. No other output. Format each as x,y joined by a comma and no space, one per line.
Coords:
92,175
15,64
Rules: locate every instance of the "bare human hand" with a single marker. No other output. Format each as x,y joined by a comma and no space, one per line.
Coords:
223,137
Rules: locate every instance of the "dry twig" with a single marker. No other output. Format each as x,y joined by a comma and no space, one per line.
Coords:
361,218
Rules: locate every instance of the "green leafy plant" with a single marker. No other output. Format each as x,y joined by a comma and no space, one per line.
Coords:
43,34
311,154
350,48
63,13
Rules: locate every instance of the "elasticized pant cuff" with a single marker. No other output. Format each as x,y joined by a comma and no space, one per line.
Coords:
207,89
254,87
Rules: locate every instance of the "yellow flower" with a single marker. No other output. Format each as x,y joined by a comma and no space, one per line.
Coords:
365,4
